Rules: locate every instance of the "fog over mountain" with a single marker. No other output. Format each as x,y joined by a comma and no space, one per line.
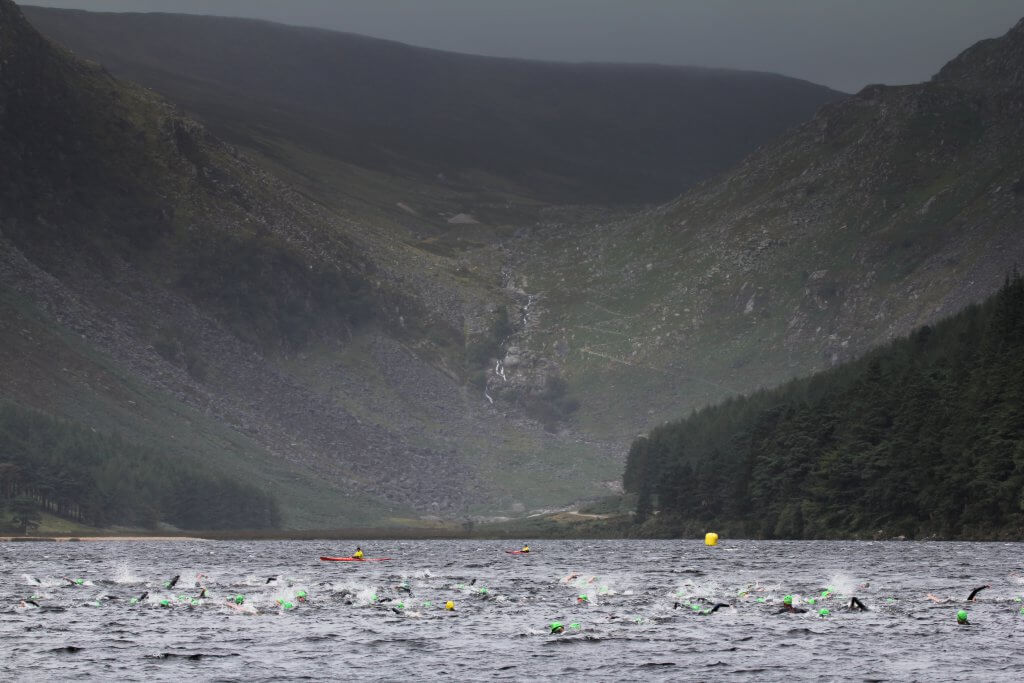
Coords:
845,45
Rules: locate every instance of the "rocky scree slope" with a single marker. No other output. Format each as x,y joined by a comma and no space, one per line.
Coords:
153,279
887,210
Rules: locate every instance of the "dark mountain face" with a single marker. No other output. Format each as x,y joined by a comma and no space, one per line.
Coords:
560,132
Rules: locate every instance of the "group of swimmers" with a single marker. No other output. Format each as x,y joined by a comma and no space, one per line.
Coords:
703,607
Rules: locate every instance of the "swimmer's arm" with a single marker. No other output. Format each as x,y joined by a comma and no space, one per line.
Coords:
970,598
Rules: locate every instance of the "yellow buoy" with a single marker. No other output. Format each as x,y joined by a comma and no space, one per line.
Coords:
449,605
711,538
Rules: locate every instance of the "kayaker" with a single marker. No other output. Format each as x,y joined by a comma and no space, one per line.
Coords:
358,554
526,548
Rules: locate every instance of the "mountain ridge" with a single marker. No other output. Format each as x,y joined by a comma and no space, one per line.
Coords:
542,129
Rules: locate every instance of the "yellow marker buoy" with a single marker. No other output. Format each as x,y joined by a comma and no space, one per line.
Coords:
711,538
449,605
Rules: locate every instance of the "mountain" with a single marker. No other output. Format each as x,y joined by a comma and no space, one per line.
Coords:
924,436
567,133
159,286
887,210
364,341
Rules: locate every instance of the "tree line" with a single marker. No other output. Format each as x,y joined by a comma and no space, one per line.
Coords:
922,437
102,480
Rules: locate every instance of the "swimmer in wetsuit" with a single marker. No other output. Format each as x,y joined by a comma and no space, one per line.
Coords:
787,606
856,604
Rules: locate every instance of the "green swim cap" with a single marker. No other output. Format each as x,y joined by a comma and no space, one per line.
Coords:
287,605
483,591
760,599
695,607
555,626
811,601
182,598
787,600
79,582
825,612
194,602
133,601
428,603
239,599
961,616
374,598
825,594
1022,610
300,594
400,605
165,603
575,625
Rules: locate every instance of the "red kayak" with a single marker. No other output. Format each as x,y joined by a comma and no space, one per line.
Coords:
354,559
516,552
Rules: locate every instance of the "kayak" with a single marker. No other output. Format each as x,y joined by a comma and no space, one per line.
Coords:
516,552
354,559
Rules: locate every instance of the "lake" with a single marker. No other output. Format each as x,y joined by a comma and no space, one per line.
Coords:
645,615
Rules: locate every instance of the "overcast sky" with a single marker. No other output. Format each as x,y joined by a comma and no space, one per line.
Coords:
842,43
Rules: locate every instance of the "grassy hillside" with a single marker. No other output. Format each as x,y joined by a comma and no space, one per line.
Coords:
560,132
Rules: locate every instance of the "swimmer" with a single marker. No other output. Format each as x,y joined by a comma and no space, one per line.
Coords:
961,618
556,627
135,601
787,606
971,597
704,612
237,603
271,578
172,582
856,604
301,596
23,604
76,583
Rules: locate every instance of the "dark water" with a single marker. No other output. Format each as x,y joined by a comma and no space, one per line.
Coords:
628,629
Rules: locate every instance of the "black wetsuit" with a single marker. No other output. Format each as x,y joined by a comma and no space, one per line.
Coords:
791,610
970,598
857,605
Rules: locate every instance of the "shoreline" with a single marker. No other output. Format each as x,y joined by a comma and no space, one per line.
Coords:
88,539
